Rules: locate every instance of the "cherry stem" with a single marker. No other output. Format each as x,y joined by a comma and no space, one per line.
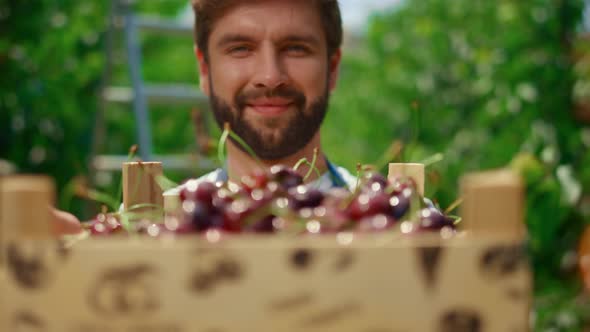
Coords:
415,206
312,165
357,187
222,142
101,197
437,157
454,205
359,169
155,207
153,215
299,163
391,154
258,214
245,145
165,183
312,168
125,223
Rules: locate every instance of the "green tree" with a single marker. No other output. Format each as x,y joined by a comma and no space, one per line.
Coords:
485,83
50,60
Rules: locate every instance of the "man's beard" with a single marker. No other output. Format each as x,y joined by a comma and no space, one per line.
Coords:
295,136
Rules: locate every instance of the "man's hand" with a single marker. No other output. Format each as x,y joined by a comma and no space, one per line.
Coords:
64,223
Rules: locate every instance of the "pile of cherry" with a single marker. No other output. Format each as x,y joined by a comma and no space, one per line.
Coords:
278,201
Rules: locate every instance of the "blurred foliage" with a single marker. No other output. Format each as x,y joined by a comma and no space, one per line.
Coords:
486,83
52,58
167,59
50,64
475,76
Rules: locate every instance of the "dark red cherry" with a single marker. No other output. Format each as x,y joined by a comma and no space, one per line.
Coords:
258,180
285,176
433,219
399,206
368,204
374,181
376,223
264,225
304,197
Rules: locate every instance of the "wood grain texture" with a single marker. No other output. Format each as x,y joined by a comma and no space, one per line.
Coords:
493,201
140,185
25,201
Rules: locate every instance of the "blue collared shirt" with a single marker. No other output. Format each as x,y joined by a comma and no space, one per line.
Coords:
335,177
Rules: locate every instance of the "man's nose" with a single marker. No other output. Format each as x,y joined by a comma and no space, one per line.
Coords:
270,73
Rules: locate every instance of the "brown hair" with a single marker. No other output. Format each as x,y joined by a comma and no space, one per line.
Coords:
207,11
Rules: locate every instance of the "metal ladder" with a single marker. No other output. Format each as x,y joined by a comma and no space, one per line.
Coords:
141,94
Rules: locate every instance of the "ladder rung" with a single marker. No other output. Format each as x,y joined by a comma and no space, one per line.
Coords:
163,26
169,162
157,94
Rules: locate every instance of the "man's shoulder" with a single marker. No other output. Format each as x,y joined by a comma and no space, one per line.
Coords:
348,178
220,175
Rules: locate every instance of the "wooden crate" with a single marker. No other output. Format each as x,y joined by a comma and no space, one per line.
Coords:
476,281
326,283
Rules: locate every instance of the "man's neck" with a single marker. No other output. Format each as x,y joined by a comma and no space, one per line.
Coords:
240,163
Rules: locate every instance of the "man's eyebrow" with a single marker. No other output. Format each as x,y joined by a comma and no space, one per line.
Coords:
309,39
241,38
233,38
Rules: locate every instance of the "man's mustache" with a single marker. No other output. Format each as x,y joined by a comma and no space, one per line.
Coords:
246,97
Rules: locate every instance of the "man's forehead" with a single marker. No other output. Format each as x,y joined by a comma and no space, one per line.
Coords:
276,17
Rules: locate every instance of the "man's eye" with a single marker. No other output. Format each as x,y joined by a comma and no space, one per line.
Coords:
239,50
297,50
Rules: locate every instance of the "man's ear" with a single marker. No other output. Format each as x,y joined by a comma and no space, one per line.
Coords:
334,63
203,71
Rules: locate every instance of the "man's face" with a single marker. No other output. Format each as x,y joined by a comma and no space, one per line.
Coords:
268,74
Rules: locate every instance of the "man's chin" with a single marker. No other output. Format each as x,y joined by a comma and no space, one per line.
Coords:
272,137
272,144
273,153
269,123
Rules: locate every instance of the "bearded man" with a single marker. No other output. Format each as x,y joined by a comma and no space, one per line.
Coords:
268,68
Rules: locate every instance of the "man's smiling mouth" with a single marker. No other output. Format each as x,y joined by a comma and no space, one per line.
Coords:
270,106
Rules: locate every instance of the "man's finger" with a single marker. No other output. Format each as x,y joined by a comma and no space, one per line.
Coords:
65,223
